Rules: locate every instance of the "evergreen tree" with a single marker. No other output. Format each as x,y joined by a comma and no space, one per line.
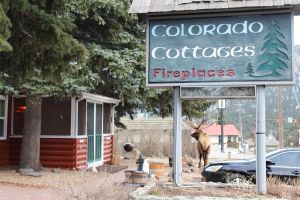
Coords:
63,48
250,70
116,42
5,25
45,60
274,57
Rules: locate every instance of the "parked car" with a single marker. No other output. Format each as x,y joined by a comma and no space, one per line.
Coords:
283,163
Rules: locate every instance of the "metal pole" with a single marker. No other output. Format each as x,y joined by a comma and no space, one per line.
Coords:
177,138
241,127
222,132
261,185
280,118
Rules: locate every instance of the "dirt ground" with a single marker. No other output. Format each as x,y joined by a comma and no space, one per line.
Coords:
59,184
62,185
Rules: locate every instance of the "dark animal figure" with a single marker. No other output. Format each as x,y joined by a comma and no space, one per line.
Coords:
203,144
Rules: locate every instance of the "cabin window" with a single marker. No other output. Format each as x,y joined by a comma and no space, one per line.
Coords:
81,117
107,118
19,107
56,117
3,115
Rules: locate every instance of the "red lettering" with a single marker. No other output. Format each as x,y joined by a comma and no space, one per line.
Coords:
230,72
184,74
156,71
220,73
176,74
201,73
211,73
169,73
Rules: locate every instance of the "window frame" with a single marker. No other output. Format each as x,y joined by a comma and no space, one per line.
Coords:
5,98
280,154
111,116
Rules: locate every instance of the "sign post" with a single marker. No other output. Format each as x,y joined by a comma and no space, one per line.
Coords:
177,137
237,50
261,186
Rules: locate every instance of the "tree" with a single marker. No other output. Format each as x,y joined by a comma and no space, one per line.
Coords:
5,25
63,48
250,70
274,55
44,60
116,42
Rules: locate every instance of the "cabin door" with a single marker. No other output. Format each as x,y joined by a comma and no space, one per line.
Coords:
94,132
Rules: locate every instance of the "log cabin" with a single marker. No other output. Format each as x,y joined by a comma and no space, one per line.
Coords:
76,133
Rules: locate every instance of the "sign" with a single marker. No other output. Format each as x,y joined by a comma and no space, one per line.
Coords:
212,92
245,50
222,103
290,119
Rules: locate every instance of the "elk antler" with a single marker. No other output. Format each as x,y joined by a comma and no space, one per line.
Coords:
199,124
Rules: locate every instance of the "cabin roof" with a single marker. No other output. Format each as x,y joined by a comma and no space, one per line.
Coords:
171,6
96,97
151,123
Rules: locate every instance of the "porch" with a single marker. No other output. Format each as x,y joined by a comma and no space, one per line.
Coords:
76,132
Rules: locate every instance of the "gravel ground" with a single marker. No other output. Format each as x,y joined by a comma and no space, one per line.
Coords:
63,184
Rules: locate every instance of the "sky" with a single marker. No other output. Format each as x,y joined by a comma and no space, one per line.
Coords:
297,30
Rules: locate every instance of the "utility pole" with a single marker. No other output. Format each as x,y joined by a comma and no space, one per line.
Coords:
222,106
222,131
280,118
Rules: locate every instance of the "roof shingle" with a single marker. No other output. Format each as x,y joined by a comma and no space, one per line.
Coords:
215,130
167,6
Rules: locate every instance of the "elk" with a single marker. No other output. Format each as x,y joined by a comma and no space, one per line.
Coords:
203,144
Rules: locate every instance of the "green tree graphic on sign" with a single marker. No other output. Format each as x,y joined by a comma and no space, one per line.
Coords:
250,70
274,55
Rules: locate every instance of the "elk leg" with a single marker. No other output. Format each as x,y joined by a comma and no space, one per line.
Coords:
205,155
200,157
205,159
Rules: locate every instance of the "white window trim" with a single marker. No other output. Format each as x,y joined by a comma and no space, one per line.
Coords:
13,135
5,98
101,161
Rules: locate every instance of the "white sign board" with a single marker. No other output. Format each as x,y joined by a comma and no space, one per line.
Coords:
214,92
222,103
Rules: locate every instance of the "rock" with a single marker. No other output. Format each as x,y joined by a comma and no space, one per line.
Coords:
30,172
187,161
94,169
135,153
55,170
116,160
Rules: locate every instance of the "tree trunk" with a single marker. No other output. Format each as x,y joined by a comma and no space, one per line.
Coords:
30,150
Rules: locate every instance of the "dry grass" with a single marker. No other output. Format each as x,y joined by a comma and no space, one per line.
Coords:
100,187
287,188
72,185
203,191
